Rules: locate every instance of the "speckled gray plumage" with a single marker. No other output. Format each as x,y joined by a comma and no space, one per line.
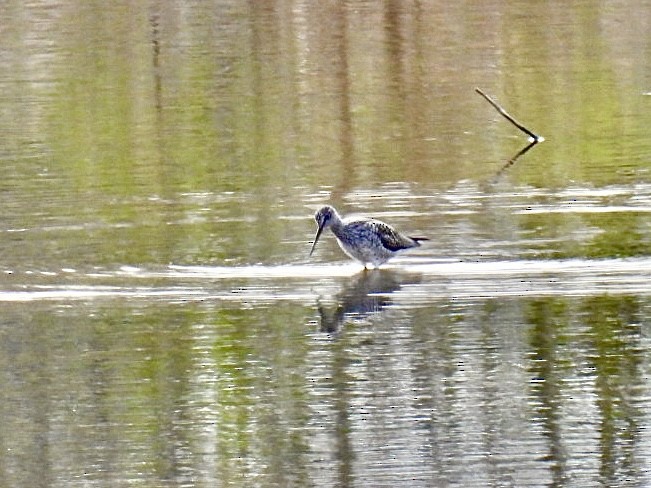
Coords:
368,241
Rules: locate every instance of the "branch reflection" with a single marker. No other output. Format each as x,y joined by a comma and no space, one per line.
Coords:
517,156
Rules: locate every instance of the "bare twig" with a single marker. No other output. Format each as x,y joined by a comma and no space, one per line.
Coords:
535,139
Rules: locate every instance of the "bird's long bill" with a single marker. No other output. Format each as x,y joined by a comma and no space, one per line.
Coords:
316,238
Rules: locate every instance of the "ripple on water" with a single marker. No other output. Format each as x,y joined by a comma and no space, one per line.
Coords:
416,280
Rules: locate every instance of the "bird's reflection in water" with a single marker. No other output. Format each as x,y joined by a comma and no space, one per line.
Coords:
368,292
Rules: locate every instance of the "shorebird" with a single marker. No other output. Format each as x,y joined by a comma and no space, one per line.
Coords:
368,241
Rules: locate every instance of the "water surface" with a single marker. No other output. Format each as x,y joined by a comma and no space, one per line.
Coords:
163,325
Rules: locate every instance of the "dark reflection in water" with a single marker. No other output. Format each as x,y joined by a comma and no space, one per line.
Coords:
514,159
545,380
366,293
154,22
587,372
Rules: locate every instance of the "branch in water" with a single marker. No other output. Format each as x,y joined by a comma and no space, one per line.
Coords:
535,139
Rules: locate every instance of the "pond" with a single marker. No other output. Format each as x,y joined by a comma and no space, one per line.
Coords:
164,325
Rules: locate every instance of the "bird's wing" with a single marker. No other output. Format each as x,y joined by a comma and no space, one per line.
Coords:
392,239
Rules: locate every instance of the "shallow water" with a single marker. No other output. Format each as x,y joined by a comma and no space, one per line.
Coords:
163,324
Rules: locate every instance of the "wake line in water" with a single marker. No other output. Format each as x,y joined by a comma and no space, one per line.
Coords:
65,293
441,269
425,279
72,293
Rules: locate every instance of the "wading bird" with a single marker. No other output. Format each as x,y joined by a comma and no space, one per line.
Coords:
368,241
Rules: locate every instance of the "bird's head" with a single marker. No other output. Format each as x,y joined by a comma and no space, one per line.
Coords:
324,218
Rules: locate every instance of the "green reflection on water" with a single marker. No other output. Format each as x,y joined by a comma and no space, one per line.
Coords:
203,133
583,350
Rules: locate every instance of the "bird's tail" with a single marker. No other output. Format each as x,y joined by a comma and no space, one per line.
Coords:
418,239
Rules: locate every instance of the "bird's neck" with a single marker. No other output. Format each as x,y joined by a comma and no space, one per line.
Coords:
336,225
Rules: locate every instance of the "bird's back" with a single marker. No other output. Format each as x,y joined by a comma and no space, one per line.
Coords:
371,241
